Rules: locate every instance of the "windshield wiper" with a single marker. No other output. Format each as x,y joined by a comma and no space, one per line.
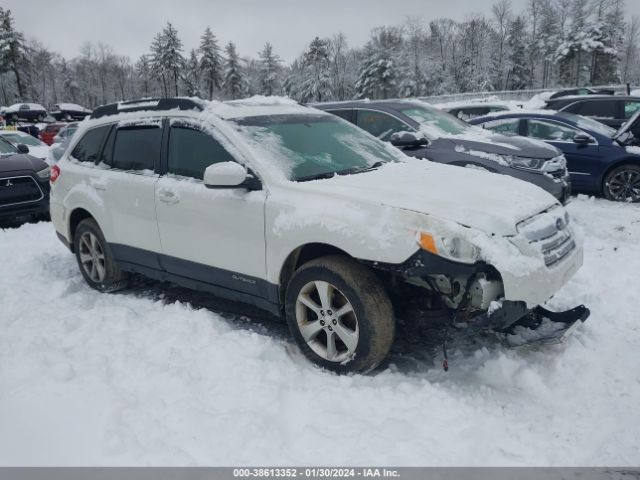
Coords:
348,171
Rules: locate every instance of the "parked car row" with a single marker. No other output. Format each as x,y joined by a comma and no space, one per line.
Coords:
601,159
34,112
299,212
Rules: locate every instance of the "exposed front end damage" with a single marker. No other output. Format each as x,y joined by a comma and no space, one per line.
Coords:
500,293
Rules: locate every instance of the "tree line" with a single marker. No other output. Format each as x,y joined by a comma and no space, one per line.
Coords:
552,43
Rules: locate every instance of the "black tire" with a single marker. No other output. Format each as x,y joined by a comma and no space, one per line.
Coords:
372,313
113,278
622,184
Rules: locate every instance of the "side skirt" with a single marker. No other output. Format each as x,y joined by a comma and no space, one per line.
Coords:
265,297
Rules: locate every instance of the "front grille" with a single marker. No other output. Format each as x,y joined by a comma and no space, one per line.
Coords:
558,173
16,190
548,233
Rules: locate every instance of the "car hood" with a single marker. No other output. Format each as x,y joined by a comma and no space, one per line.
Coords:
486,201
500,145
19,162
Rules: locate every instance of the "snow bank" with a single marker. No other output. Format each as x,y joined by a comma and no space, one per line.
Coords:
140,378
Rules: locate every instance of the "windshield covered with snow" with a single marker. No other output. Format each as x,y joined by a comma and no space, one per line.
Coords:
589,124
16,138
436,121
311,146
6,148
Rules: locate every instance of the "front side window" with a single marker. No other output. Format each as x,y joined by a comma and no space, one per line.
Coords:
505,126
191,151
551,131
379,124
435,123
88,148
304,146
136,148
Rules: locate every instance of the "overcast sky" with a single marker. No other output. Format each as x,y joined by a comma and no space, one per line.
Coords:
130,25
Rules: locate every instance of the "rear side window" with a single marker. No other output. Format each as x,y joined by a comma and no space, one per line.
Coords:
602,109
191,151
88,148
136,148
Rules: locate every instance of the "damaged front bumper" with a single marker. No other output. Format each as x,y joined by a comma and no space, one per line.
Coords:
538,326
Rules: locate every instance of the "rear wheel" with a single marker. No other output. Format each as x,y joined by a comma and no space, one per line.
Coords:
340,315
622,184
96,260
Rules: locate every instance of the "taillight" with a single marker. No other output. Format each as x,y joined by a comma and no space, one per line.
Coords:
55,173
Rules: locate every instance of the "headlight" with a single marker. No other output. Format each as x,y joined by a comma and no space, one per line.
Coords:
454,248
44,173
524,162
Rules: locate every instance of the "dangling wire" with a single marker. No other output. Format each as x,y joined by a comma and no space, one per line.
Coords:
463,303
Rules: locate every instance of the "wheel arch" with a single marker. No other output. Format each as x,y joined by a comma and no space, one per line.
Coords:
623,161
76,216
301,255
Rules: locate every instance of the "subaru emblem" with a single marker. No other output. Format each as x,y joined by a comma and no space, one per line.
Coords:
560,224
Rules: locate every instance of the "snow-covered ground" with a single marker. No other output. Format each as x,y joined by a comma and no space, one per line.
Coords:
140,378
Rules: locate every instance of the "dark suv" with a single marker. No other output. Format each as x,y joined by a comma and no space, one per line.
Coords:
24,185
422,131
612,110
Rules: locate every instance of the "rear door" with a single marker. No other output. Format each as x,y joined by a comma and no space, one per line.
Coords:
210,235
127,181
582,159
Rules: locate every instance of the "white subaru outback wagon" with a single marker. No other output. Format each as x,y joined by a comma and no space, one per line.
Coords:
298,212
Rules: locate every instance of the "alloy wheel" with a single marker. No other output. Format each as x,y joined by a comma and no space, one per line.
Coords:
327,321
92,257
624,186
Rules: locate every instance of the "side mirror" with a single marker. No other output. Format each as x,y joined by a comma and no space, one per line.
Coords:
229,175
408,139
22,148
582,139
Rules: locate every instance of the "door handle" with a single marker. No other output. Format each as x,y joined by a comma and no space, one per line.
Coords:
168,196
98,185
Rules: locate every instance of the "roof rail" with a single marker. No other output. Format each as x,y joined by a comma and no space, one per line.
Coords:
147,104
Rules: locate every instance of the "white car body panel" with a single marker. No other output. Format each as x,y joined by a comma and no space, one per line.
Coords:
373,216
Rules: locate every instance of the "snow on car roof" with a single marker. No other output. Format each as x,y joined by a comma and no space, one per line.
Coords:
255,106
16,106
70,106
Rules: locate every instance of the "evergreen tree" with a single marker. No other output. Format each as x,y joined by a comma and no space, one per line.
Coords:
166,58
519,72
12,50
191,76
211,61
233,76
269,71
316,85
378,73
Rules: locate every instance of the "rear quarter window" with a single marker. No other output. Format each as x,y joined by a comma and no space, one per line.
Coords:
89,146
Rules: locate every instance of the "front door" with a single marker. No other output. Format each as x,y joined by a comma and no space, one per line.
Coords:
582,159
210,235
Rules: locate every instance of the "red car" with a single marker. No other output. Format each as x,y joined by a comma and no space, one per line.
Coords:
50,131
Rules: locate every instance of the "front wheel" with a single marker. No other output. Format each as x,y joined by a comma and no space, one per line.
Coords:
340,314
96,260
622,184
